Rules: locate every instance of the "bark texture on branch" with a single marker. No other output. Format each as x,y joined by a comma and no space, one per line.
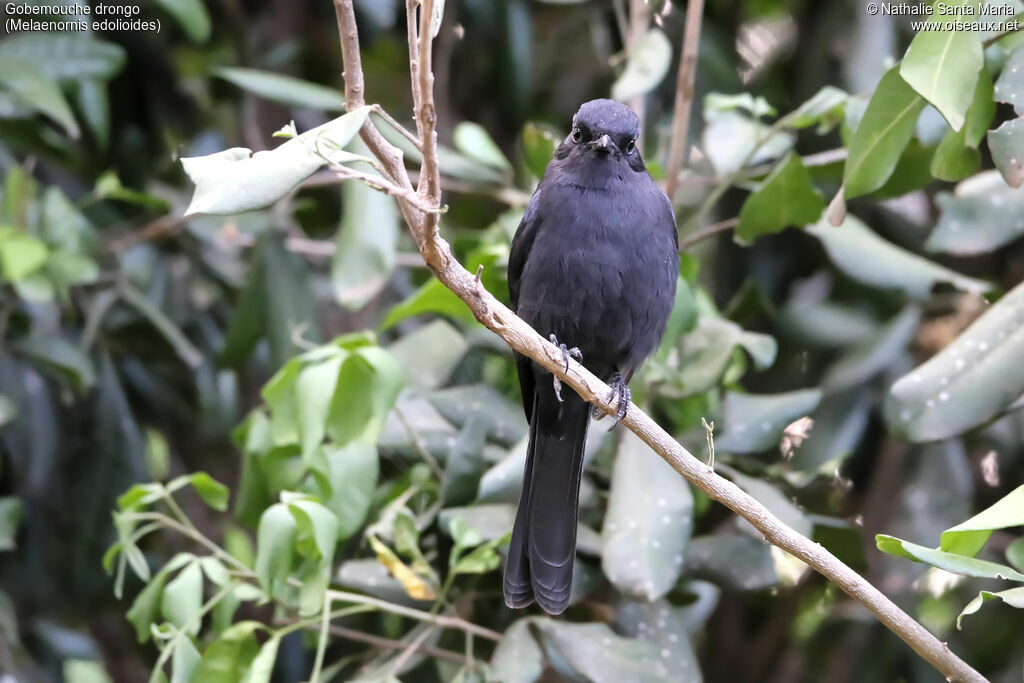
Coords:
521,337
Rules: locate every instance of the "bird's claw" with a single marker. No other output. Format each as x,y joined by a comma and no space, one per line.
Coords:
621,395
567,353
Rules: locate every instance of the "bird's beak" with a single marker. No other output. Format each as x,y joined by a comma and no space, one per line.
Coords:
603,144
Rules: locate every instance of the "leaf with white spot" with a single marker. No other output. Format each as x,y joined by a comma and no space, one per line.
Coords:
597,653
504,419
1007,146
966,384
755,422
1009,86
733,560
979,216
873,261
666,627
649,519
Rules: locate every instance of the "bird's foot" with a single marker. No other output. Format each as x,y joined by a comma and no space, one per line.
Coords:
621,396
567,353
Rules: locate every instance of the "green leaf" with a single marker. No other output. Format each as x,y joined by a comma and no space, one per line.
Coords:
65,56
754,423
943,67
539,143
648,62
731,138
839,425
953,159
229,658
979,216
32,88
966,384
20,254
648,522
429,354
287,90
275,548
184,660
209,489
1015,554
824,109
869,259
951,562
981,111
191,15
368,385
1007,146
263,664
434,297
489,521
314,390
967,538
182,598
882,134
364,255
1014,597
59,357
483,559
238,180
786,197
84,671
353,472
316,530
707,351
10,519
474,141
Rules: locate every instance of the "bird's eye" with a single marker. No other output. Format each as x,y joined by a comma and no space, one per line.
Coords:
577,135
630,146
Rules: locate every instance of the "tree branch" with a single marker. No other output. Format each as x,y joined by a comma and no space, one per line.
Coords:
684,95
524,339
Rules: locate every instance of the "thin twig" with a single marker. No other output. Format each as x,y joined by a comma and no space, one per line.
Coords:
388,644
684,94
639,21
441,620
408,652
405,132
524,339
379,183
707,232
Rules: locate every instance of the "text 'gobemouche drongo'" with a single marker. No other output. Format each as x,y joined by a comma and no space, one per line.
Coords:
593,265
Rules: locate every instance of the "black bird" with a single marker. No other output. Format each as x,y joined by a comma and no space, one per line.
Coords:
593,265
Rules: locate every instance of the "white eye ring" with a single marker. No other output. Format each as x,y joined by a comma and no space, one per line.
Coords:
577,134
630,146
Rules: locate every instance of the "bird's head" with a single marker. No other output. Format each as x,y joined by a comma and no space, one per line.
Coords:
606,131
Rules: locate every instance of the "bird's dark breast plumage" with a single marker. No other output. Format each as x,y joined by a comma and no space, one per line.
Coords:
611,292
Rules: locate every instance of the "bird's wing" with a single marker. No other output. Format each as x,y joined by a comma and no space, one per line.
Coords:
521,245
519,252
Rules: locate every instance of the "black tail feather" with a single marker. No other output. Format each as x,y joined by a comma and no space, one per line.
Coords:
543,545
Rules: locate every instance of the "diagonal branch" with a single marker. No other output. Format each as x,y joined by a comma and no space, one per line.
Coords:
524,339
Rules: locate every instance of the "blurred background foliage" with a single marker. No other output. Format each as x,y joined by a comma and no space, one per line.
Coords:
850,392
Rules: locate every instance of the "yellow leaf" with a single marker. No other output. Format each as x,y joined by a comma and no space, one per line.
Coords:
417,588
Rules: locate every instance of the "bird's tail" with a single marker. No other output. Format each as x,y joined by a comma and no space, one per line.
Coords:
543,545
